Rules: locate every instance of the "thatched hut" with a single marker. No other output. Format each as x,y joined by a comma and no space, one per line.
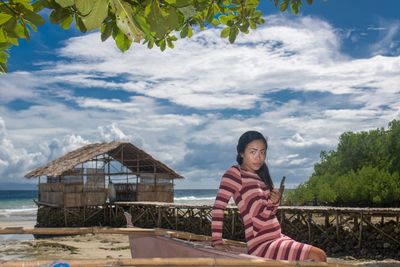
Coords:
95,173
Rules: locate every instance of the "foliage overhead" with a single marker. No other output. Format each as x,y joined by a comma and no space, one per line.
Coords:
150,22
364,170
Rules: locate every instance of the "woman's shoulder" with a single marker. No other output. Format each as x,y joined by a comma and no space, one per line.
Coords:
233,170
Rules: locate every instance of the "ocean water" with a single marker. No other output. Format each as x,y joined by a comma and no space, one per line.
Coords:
18,205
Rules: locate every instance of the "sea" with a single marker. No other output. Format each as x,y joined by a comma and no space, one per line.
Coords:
19,205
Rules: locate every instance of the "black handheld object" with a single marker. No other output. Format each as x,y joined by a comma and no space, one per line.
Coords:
282,186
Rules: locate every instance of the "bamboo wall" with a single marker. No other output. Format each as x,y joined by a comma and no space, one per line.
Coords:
160,192
71,195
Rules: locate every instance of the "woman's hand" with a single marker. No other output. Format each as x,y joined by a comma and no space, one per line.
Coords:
275,196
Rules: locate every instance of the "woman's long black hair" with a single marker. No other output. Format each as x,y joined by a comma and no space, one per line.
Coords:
244,140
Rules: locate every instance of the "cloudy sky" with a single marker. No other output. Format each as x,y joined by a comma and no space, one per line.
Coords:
300,80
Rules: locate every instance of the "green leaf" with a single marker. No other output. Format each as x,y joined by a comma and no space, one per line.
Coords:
170,43
150,44
215,22
67,22
58,15
190,31
33,17
3,36
223,19
123,43
3,57
162,45
10,25
19,31
180,3
33,26
4,18
188,12
39,5
295,6
184,31
257,14
84,6
125,21
171,2
142,24
97,14
79,24
284,5
13,41
3,68
26,32
225,32
252,3
65,3
244,28
210,14
253,24
161,20
5,45
106,30
233,34
183,3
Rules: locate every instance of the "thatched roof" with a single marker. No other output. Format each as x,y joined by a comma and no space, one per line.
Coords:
135,159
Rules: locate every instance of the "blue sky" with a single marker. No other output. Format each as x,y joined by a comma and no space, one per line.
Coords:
300,80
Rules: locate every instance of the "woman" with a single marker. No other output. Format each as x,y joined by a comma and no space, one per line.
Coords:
250,185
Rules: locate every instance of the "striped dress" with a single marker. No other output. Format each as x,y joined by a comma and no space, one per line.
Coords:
262,229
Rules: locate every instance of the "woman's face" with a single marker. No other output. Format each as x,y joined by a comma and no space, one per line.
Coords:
254,155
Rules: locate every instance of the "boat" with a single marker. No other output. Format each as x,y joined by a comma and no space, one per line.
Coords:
166,244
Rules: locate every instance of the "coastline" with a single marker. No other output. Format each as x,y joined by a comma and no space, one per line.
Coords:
90,246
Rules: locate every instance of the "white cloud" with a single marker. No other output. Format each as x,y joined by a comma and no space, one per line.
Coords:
387,43
188,106
112,133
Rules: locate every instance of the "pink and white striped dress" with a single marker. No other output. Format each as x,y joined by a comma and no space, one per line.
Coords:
262,229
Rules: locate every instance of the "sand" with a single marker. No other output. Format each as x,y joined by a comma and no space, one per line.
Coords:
25,247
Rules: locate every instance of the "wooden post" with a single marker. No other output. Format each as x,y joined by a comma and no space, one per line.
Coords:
233,223
337,226
65,218
327,219
158,216
176,218
360,230
309,225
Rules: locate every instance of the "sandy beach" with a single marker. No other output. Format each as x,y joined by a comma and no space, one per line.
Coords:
25,247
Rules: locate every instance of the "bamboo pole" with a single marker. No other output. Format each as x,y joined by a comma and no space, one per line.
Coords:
171,262
106,230
76,231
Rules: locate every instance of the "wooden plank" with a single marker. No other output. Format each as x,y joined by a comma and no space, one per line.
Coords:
173,262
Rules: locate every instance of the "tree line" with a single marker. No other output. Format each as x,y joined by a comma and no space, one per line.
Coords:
363,171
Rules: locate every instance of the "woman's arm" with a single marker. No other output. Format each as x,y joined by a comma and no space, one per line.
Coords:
230,183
